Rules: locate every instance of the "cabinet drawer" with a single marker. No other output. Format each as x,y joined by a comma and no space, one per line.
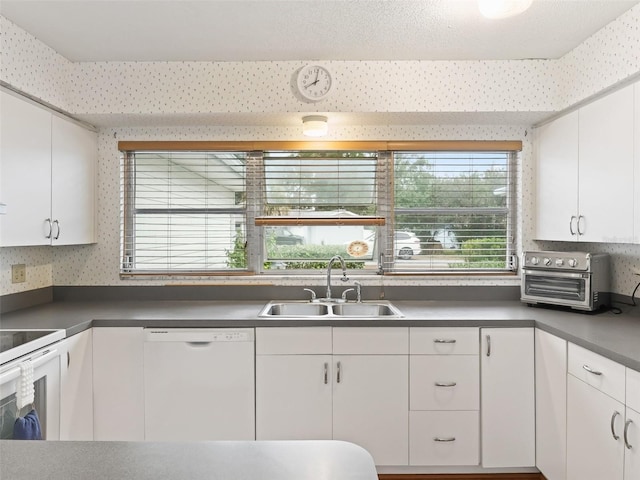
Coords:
444,382
293,341
605,375
374,340
444,438
633,389
444,340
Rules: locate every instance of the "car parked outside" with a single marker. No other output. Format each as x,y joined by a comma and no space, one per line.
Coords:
407,244
447,239
284,236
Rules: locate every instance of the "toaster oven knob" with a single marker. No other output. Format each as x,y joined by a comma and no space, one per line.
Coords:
547,261
534,260
573,262
559,262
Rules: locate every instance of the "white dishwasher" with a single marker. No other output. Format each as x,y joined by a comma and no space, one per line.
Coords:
199,384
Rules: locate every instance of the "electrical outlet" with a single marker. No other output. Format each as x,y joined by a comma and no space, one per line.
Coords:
18,273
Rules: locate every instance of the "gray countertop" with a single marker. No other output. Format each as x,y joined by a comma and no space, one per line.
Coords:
272,460
616,336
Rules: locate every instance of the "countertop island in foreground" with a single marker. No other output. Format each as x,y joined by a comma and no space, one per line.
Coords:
262,460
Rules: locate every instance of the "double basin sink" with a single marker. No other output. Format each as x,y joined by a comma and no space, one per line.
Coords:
306,309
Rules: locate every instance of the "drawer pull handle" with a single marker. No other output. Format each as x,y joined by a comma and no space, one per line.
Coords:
339,372
591,370
613,425
326,373
488,345
444,340
444,439
626,434
445,384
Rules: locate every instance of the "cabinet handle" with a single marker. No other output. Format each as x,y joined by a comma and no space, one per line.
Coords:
57,224
339,372
445,384
591,370
571,220
48,221
488,345
68,359
580,231
613,425
326,373
444,340
626,434
444,439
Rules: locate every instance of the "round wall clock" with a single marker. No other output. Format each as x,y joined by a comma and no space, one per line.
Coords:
314,82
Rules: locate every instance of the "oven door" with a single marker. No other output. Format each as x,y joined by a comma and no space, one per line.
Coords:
46,375
558,288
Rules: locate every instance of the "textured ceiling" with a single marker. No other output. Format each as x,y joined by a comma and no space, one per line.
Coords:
268,30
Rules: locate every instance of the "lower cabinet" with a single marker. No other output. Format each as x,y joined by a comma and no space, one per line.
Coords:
118,382
507,397
343,383
631,436
551,405
76,388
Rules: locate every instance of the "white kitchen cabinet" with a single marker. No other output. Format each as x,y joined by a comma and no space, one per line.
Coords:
587,151
343,383
632,445
294,397
48,173
25,164
294,382
507,397
636,157
118,384
551,405
557,178
444,396
370,405
594,419
74,152
606,167
76,388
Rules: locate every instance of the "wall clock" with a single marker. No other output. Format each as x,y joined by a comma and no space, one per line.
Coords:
314,82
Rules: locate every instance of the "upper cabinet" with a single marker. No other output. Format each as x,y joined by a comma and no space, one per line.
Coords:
585,173
47,177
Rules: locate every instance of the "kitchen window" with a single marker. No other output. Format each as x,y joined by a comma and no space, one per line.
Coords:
262,211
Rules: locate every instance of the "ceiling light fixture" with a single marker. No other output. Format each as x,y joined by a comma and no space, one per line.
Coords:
315,125
495,9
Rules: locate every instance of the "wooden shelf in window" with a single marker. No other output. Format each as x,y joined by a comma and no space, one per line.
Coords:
315,221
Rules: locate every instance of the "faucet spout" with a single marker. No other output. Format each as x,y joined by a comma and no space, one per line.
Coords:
344,273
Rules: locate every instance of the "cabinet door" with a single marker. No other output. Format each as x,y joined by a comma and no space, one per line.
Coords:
606,169
74,153
632,445
507,397
118,382
76,388
551,405
371,405
25,165
636,142
557,179
293,397
593,453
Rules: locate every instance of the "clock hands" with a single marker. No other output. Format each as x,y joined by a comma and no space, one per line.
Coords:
315,81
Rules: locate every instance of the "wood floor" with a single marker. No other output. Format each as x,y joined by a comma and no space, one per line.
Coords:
467,476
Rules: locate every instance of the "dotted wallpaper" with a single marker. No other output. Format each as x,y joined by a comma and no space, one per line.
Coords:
117,94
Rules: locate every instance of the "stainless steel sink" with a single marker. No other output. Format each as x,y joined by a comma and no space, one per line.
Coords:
311,310
366,309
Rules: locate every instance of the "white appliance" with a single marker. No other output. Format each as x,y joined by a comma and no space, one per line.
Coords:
39,348
199,384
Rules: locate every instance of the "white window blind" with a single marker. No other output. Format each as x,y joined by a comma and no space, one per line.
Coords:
183,212
316,204
453,212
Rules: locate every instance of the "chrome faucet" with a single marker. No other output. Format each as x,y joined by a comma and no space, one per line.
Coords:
344,274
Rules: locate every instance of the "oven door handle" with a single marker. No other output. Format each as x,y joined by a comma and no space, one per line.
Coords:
14,372
555,273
